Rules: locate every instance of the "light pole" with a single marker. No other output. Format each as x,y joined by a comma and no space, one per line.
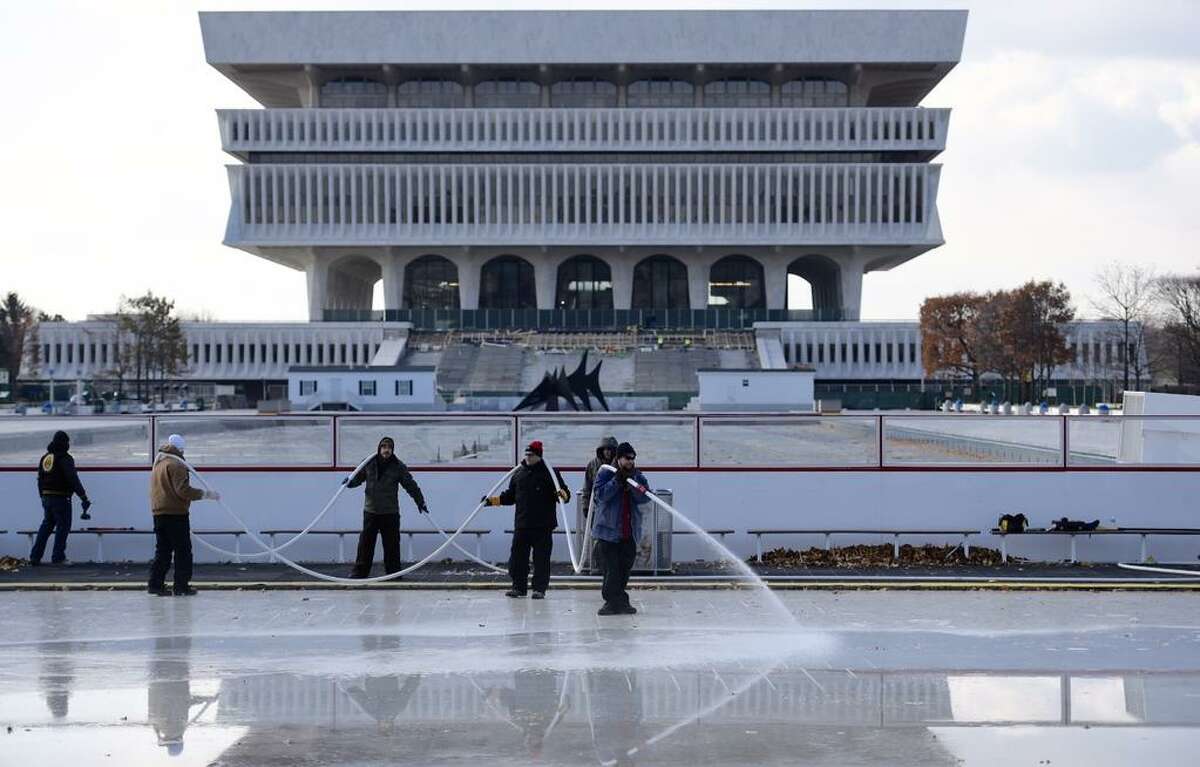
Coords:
50,372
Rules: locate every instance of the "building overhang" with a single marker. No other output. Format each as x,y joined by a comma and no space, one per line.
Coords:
257,50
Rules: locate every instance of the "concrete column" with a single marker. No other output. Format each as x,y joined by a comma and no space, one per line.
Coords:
775,274
545,275
622,283
851,283
393,280
468,281
312,96
317,274
698,282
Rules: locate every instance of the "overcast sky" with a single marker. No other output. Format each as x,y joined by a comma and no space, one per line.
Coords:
1074,142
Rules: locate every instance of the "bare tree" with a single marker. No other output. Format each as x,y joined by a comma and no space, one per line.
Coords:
1180,297
1126,294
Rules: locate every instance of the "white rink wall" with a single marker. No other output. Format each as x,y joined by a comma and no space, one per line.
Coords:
736,471
738,500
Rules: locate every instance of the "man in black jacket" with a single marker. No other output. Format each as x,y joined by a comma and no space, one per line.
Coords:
384,475
532,490
57,481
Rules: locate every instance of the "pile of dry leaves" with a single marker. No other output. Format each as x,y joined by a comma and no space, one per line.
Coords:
880,556
11,564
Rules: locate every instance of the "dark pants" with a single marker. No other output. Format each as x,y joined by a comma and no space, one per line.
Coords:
56,518
387,527
172,539
616,562
540,541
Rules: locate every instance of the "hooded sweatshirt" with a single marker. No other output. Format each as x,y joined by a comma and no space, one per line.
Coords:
589,474
56,470
170,490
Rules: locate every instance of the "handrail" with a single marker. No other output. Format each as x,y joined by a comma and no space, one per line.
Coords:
579,129
872,436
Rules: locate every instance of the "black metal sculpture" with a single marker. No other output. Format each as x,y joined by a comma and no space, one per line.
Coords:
577,389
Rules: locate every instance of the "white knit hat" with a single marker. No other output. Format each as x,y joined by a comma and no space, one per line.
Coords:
176,441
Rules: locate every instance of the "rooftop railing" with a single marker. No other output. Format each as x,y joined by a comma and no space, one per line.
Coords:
853,129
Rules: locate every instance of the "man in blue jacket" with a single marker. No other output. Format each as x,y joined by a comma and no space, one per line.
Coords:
617,528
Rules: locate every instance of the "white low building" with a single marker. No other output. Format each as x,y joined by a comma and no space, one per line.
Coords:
754,389
363,388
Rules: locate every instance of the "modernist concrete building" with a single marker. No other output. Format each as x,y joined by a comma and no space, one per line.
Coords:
677,164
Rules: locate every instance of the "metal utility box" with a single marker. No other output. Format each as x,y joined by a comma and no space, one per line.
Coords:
654,549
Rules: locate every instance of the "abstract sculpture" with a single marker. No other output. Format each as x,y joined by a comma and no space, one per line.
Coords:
577,388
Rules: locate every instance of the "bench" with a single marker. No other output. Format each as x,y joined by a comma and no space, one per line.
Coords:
1143,532
719,532
896,534
100,532
342,533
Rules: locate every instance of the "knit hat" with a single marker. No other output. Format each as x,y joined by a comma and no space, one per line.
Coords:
609,442
390,443
535,447
176,441
625,449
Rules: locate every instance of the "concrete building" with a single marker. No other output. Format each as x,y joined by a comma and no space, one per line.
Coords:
655,168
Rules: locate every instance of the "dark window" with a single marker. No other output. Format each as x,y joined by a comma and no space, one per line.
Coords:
583,92
429,94
584,282
404,388
343,354
366,388
308,353
660,282
274,354
354,354
508,93
241,358
507,283
251,353
353,92
219,351
286,349
736,282
431,282
814,92
737,92
660,92
307,388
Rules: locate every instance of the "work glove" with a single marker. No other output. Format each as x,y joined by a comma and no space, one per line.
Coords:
346,479
212,495
490,500
423,509
86,505
642,489
563,495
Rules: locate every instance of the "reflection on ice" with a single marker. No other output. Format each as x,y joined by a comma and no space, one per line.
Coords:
696,678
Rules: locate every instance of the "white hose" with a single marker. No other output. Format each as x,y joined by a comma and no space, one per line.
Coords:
1165,570
290,541
576,564
333,578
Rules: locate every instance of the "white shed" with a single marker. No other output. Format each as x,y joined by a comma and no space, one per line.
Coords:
756,389
364,388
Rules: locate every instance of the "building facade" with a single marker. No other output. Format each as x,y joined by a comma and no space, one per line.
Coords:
610,167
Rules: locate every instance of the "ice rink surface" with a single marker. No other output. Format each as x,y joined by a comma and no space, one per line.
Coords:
697,677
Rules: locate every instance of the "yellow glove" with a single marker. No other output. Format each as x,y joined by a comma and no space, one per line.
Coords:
564,495
493,500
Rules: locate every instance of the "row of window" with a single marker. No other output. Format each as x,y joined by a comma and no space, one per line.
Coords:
584,282
402,388
853,353
100,354
363,92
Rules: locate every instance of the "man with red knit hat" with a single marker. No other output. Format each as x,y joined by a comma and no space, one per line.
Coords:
532,491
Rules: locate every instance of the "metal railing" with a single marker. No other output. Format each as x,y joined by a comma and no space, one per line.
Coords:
857,129
575,204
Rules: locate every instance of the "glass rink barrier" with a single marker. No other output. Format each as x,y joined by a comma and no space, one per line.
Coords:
116,441
663,440
803,473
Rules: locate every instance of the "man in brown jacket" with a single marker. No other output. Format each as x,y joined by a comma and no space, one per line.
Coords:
171,496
